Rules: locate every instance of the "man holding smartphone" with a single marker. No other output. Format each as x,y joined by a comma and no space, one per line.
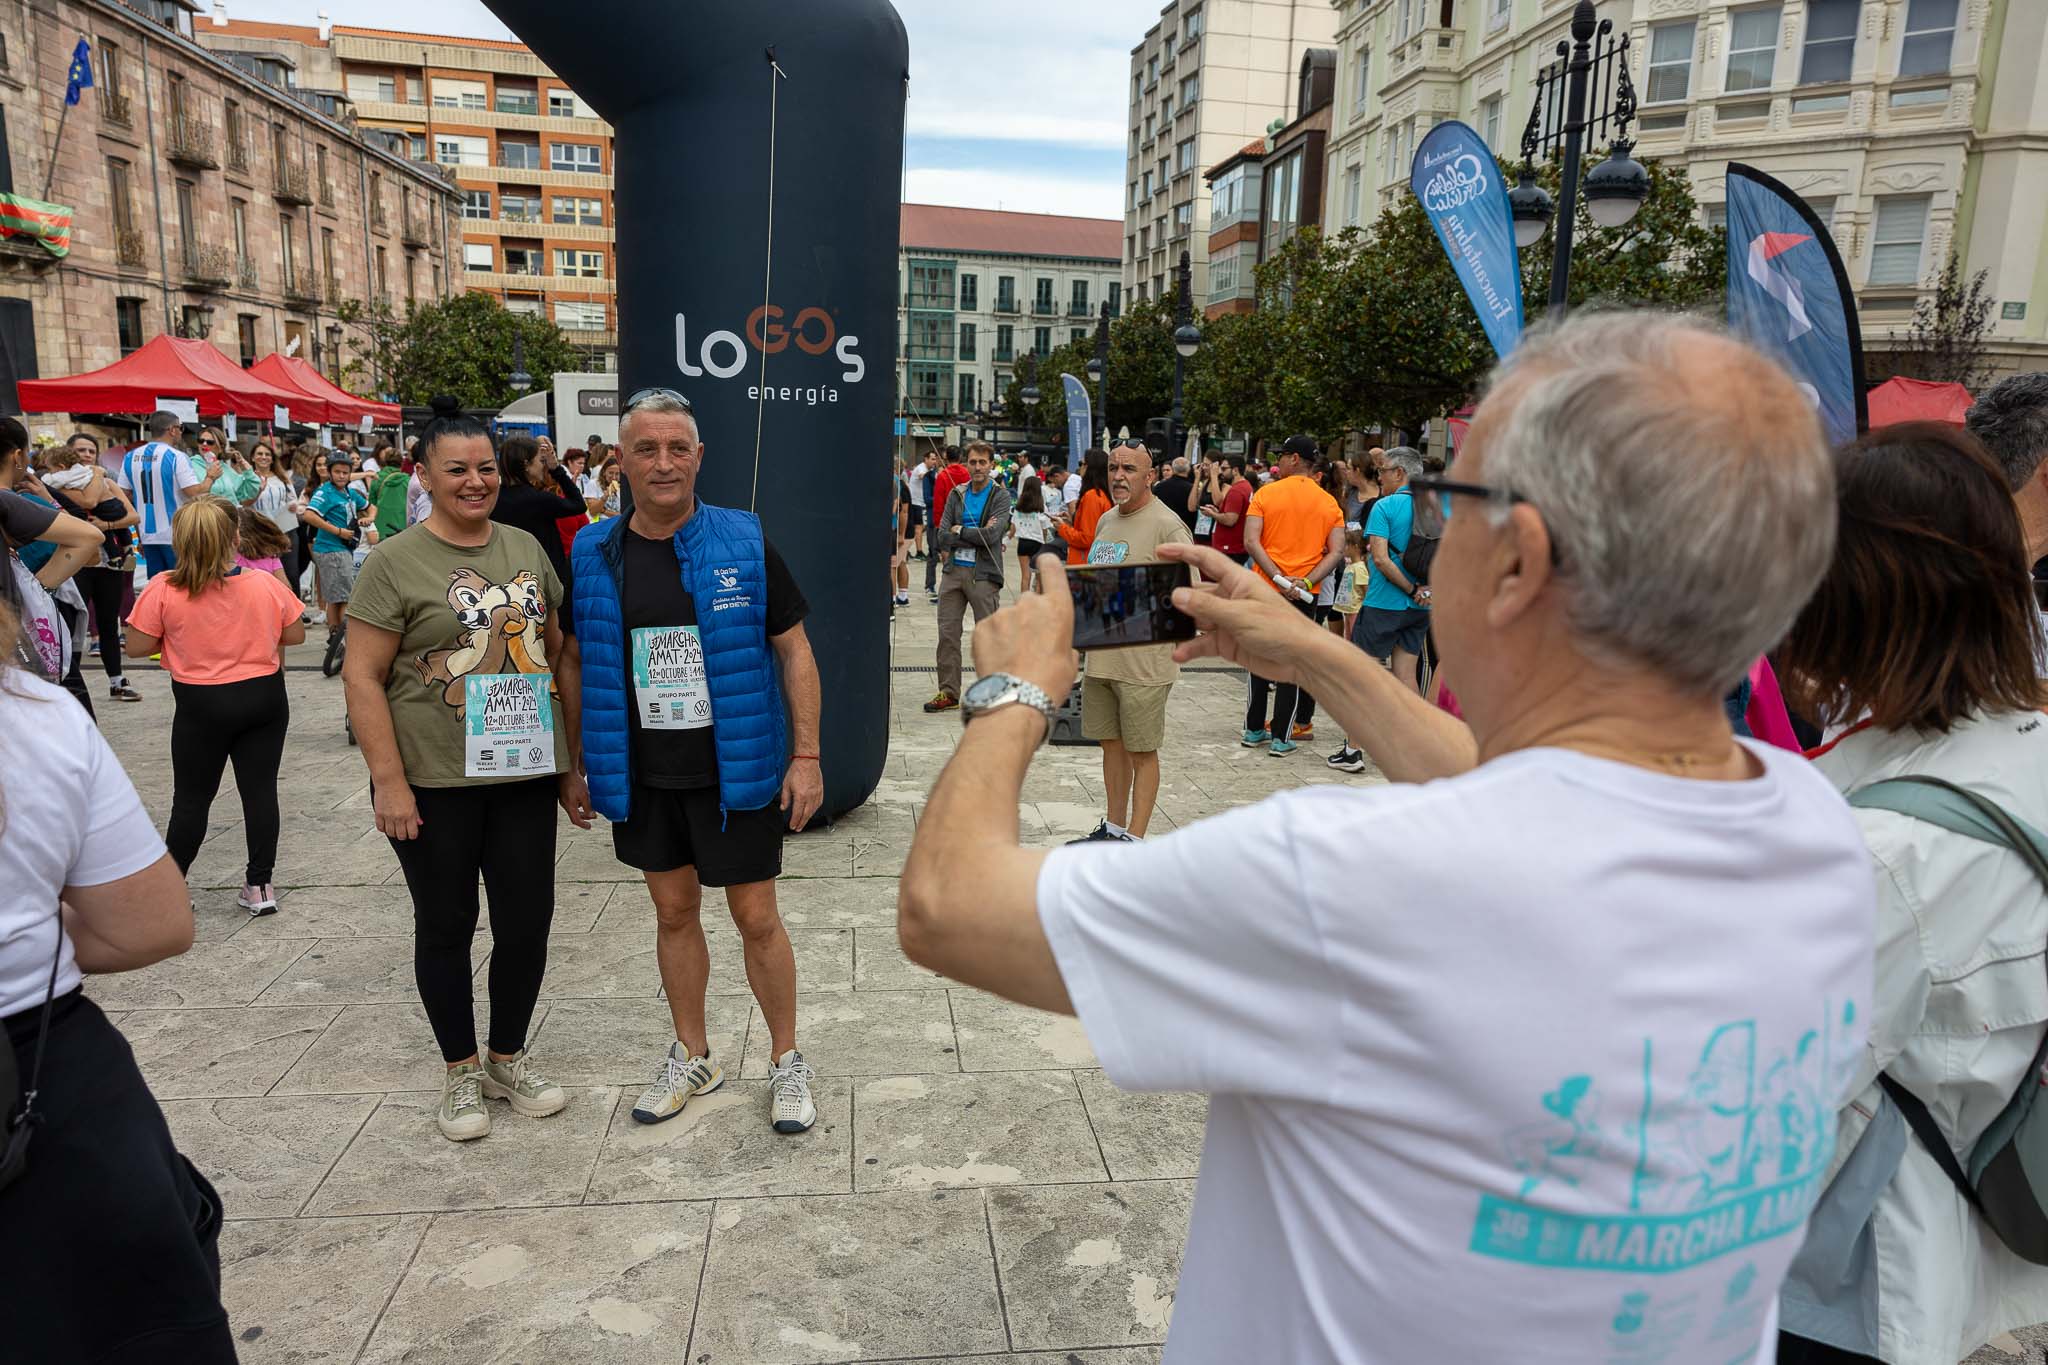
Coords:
1123,699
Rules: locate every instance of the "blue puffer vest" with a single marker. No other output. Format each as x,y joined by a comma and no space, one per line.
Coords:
725,571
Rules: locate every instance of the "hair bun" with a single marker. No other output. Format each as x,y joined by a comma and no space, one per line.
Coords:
445,406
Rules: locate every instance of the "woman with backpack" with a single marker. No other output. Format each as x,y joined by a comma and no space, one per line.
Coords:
1919,652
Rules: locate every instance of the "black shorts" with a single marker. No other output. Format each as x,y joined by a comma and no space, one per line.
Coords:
669,829
1379,632
914,516
1028,550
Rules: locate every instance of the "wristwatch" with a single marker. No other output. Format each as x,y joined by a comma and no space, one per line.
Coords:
1002,689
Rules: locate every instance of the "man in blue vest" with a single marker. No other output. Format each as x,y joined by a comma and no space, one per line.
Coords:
685,615
160,479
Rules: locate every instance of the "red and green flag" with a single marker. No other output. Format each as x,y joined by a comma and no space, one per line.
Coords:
46,224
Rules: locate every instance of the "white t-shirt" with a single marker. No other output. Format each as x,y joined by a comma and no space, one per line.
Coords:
419,504
915,478
587,485
370,465
140,475
1540,1063
73,819
1070,491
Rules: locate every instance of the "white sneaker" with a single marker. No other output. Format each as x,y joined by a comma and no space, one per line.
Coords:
792,1110
462,1115
517,1079
679,1080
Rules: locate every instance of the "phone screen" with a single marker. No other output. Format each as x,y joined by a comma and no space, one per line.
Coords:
1128,604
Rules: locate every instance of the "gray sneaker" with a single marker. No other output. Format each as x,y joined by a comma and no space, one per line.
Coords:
517,1079
792,1110
678,1080
462,1115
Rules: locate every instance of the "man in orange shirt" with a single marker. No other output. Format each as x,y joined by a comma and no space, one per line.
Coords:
1294,533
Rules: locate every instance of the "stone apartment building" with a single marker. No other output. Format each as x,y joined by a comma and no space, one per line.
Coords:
532,160
209,198
1913,127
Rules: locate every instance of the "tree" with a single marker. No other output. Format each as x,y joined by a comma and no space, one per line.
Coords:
1946,340
460,346
1140,380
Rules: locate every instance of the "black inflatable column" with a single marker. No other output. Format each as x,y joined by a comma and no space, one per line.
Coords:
772,307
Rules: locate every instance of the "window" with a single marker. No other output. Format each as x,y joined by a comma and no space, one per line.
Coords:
455,94
324,183
1283,204
1005,346
1353,193
1907,99
1498,13
514,97
1361,82
327,270
383,275
416,146
588,212
579,317
1166,112
1223,273
1041,341
521,260
1041,295
284,250
1670,70
566,104
1151,124
245,337
238,212
1151,72
1830,41
1930,36
188,221
1489,120
519,208
1824,209
1716,216
587,265
1116,303
128,324
478,256
364,89
231,129
476,203
1407,18
1183,218
1190,89
109,61
1191,27
119,196
967,341
1896,241
437,280
178,97
1145,194
519,156
1752,49
1227,198
528,308
969,287
1077,304
412,279
1077,335
966,393
1006,293
453,150
1184,156
573,156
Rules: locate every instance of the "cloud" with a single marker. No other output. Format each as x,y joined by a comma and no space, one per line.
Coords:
1018,192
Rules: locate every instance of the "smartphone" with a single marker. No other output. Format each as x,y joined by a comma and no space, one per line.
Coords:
1128,604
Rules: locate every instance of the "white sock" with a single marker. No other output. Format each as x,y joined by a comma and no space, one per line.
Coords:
1115,828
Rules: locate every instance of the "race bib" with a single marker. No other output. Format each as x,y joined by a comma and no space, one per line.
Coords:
508,725
670,689
1204,523
964,557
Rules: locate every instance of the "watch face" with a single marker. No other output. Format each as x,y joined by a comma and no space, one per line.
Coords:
986,690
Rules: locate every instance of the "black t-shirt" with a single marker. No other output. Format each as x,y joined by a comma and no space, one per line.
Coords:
654,597
1173,490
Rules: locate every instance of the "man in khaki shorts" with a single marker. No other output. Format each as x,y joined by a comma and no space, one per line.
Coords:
1123,699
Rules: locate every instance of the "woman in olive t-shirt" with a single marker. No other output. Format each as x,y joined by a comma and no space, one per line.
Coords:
465,728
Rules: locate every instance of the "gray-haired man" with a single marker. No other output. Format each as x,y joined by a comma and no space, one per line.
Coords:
2012,421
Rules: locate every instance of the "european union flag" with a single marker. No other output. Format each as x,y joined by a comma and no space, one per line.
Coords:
81,71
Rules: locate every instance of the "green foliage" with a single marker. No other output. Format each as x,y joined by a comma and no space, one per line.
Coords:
1372,328
461,346
1140,373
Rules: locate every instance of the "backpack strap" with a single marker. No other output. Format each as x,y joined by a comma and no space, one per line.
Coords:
1959,811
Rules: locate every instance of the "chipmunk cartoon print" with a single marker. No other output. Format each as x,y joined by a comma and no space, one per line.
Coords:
502,632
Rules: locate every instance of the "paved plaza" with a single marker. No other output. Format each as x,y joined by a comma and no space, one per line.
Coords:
974,1189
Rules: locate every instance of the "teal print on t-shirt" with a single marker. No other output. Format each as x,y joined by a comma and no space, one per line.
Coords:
1737,1159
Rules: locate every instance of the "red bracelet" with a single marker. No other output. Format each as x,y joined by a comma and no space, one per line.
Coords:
813,757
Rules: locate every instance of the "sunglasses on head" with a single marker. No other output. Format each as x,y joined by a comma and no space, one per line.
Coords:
640,396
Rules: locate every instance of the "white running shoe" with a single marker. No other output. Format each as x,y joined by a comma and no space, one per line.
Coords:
517,1079
462,1115
792,1110
679,1080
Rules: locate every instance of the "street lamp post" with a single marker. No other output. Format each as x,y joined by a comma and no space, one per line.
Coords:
1028,371
1187,339
1098,373
519,381
1591,70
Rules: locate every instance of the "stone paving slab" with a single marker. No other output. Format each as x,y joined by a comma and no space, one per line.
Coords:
975,1192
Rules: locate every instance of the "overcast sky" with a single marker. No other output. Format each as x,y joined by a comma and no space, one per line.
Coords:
1009,108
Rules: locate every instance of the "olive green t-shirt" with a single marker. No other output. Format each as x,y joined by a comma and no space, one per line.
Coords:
463,614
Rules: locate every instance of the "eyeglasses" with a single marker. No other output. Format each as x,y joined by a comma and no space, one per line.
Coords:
206,442
640,396
1437,483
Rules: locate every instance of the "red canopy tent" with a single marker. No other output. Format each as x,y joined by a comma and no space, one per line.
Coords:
1917,400
323,401
167,367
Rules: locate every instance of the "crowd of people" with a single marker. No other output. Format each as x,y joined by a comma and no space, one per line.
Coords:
1620,1021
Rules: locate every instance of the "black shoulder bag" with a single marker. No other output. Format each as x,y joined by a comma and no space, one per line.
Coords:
18,1102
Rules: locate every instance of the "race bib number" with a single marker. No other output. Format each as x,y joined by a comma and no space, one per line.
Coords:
1204,524
964,557
508,725
670,690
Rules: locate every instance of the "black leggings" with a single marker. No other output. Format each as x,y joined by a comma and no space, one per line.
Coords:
217,722
1288,699
506,831
103,590
106,1204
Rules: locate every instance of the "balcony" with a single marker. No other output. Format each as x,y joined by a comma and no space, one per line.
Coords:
189,142
114,109
245,274
238,155
302,289
211,268
913,351
1079,310
1003,355
290,184
1004,305
1045,308
414,231
128,247
529,106
519,158
380,219
938,302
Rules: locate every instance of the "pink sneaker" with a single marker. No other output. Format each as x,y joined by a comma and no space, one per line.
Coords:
258,900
